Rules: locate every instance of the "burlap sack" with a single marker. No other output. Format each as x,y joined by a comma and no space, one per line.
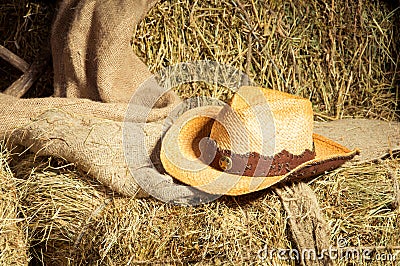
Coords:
96,74
91,47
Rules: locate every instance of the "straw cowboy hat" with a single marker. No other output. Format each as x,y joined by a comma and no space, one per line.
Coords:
261,138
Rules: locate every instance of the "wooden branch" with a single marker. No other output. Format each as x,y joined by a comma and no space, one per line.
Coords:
13,59
23,84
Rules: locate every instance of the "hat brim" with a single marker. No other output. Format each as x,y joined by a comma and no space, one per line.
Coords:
180,158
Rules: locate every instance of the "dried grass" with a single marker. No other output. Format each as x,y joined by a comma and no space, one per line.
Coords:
342,55
361,205
13,237
71,219
25,30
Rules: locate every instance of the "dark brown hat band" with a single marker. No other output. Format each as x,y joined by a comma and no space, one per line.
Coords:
252,163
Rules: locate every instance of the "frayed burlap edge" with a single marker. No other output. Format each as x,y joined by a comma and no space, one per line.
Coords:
308,227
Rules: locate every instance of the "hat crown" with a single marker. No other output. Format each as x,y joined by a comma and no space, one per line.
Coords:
266,122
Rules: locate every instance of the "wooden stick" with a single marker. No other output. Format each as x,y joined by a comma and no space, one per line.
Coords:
13,59
325,116
23,84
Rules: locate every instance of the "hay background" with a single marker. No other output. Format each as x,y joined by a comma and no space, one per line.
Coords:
70,218
343,56
25,30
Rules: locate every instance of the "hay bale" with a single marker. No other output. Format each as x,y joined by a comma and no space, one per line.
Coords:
361,203
342,55
13,239
59,207
73,219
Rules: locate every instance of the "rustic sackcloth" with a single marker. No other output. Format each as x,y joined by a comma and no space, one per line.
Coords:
96,74
374,138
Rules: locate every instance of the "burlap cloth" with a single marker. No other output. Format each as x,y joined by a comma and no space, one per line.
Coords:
95,76
374,138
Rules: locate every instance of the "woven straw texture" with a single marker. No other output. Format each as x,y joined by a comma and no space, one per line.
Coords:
256,115
180,152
